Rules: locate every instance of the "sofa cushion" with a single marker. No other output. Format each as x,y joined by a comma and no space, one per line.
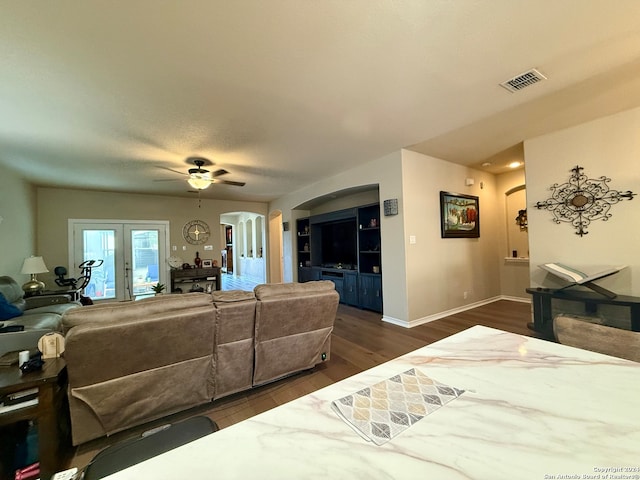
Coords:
293,327
137,368
56,308
8,310
48,321
269,290
224,296
111,312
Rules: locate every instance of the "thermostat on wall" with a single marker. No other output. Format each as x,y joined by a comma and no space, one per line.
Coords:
391,207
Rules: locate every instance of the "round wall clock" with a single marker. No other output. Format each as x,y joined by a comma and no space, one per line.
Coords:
174,262
196,232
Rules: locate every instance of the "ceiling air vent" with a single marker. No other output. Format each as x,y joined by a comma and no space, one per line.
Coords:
523,80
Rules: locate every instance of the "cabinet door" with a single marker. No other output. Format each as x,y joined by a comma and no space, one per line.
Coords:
350,289
371,292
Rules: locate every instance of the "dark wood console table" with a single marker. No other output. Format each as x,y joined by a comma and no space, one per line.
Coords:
542,306
72,293
50,382
192,276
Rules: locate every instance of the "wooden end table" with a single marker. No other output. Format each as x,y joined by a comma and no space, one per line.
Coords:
50,382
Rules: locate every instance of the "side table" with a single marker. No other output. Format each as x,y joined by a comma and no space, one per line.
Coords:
196,275
73,293
50,382
543,314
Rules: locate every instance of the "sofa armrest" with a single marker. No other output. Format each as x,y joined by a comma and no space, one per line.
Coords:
35,302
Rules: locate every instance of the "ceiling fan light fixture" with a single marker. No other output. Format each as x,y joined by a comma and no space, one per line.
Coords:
199,182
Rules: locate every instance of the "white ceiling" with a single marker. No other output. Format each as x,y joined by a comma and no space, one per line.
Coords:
280,93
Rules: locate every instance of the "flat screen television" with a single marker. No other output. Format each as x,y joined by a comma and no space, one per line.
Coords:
339,244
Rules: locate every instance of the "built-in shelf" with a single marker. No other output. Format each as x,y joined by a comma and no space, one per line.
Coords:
516,260
360,284
303,243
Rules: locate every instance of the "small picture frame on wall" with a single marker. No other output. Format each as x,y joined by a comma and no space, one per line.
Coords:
207,263
459,215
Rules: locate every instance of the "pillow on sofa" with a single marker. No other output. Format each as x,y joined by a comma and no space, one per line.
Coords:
7,310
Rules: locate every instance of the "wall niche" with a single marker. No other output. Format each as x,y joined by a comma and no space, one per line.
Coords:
517,229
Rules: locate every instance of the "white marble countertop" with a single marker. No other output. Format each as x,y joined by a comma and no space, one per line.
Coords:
532,410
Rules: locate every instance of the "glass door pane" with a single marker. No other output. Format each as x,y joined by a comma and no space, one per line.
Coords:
100,245
145,261
98,242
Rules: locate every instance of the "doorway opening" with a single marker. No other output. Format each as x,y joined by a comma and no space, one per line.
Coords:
243,239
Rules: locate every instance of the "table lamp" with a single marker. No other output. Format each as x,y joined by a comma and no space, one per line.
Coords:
32,266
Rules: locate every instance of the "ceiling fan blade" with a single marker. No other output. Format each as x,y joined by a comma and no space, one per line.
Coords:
168,179
200,171
219,172
171,170
228,182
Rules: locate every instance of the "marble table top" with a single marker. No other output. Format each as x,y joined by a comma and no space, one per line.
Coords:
531,409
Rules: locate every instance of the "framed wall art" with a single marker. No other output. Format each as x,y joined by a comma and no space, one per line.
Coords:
459,215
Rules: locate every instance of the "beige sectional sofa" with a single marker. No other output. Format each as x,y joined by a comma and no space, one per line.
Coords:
133,362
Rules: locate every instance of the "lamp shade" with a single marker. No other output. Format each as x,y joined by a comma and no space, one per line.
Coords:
34,265
199,182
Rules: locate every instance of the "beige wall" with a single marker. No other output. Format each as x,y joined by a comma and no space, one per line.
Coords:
18,225
56,206
605,147
440,270
349,201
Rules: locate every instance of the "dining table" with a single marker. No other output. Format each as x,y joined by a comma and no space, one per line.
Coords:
480,404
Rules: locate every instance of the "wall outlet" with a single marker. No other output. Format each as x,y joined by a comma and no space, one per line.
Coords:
465,295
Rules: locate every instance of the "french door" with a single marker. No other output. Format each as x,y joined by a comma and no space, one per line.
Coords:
132,254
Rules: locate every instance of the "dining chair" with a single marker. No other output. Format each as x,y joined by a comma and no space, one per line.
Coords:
150,444
576,332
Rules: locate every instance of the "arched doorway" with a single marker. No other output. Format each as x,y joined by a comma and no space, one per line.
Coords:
246,230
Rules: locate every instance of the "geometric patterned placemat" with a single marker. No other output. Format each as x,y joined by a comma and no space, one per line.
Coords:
386,409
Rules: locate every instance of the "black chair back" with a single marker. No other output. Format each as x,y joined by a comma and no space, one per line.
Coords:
150,444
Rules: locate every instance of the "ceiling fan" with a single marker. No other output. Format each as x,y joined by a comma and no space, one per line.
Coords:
200,178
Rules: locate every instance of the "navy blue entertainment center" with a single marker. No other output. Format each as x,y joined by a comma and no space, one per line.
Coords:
345,247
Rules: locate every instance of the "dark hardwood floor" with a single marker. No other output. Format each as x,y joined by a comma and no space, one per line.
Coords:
360,341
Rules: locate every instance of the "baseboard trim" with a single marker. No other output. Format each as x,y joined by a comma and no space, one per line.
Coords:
395,321
453,311
515,299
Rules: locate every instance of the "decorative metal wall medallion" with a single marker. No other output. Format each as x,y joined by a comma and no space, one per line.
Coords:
581,200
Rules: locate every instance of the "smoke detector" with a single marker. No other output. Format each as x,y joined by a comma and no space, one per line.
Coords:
523,80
